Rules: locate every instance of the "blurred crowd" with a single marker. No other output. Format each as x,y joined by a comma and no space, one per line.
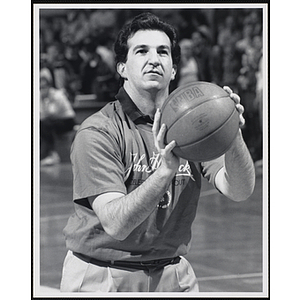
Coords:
223,46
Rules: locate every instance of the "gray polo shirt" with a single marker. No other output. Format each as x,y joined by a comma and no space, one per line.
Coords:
114,151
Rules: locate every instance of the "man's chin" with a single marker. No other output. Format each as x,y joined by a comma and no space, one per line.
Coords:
152,82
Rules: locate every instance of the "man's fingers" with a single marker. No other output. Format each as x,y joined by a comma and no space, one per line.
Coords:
159,133
161,136
242,121
235,97
240,108
155,127
227,89
170,147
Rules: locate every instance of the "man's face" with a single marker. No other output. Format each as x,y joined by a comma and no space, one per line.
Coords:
149,64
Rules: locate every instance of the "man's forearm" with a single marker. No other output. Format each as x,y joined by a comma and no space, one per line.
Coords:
120,216
237,179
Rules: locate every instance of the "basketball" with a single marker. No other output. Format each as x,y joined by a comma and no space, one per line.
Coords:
202,119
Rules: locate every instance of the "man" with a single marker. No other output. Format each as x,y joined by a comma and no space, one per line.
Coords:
135,200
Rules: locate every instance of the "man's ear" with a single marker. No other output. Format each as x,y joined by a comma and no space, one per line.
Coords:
121,69
174,71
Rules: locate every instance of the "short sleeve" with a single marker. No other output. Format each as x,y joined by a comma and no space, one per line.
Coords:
97,165
211,168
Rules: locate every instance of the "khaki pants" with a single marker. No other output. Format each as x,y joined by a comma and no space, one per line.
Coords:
79,276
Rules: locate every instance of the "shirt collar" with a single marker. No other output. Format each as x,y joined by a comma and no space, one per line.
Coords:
131,109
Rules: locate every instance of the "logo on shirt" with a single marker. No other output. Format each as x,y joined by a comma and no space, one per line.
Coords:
145,167
140,164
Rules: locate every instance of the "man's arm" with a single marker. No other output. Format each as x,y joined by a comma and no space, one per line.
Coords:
120,214
236,179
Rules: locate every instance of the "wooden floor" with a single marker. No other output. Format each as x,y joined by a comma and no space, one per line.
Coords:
227,250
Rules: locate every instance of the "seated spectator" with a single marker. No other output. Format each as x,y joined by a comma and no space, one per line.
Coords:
56,117
246,42
247,91
229,32
216,65
188,69
202,50
231,65
74,60
96,73
257,47
58,66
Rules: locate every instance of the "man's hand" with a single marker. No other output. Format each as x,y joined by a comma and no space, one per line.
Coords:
238,105
169,159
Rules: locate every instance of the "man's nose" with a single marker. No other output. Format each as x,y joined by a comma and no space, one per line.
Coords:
154,58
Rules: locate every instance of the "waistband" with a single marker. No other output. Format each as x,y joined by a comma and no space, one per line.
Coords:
137,265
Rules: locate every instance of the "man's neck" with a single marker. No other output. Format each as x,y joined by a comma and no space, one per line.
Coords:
147,101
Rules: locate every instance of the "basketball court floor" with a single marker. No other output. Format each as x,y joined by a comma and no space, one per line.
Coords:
228,237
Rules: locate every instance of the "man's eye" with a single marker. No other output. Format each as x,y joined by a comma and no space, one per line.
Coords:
163,52
142,51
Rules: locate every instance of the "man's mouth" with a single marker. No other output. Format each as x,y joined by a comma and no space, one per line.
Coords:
154,72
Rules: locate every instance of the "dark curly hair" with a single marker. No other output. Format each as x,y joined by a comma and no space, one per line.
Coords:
145,21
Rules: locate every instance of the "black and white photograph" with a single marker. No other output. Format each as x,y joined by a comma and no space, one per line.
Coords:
150,150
